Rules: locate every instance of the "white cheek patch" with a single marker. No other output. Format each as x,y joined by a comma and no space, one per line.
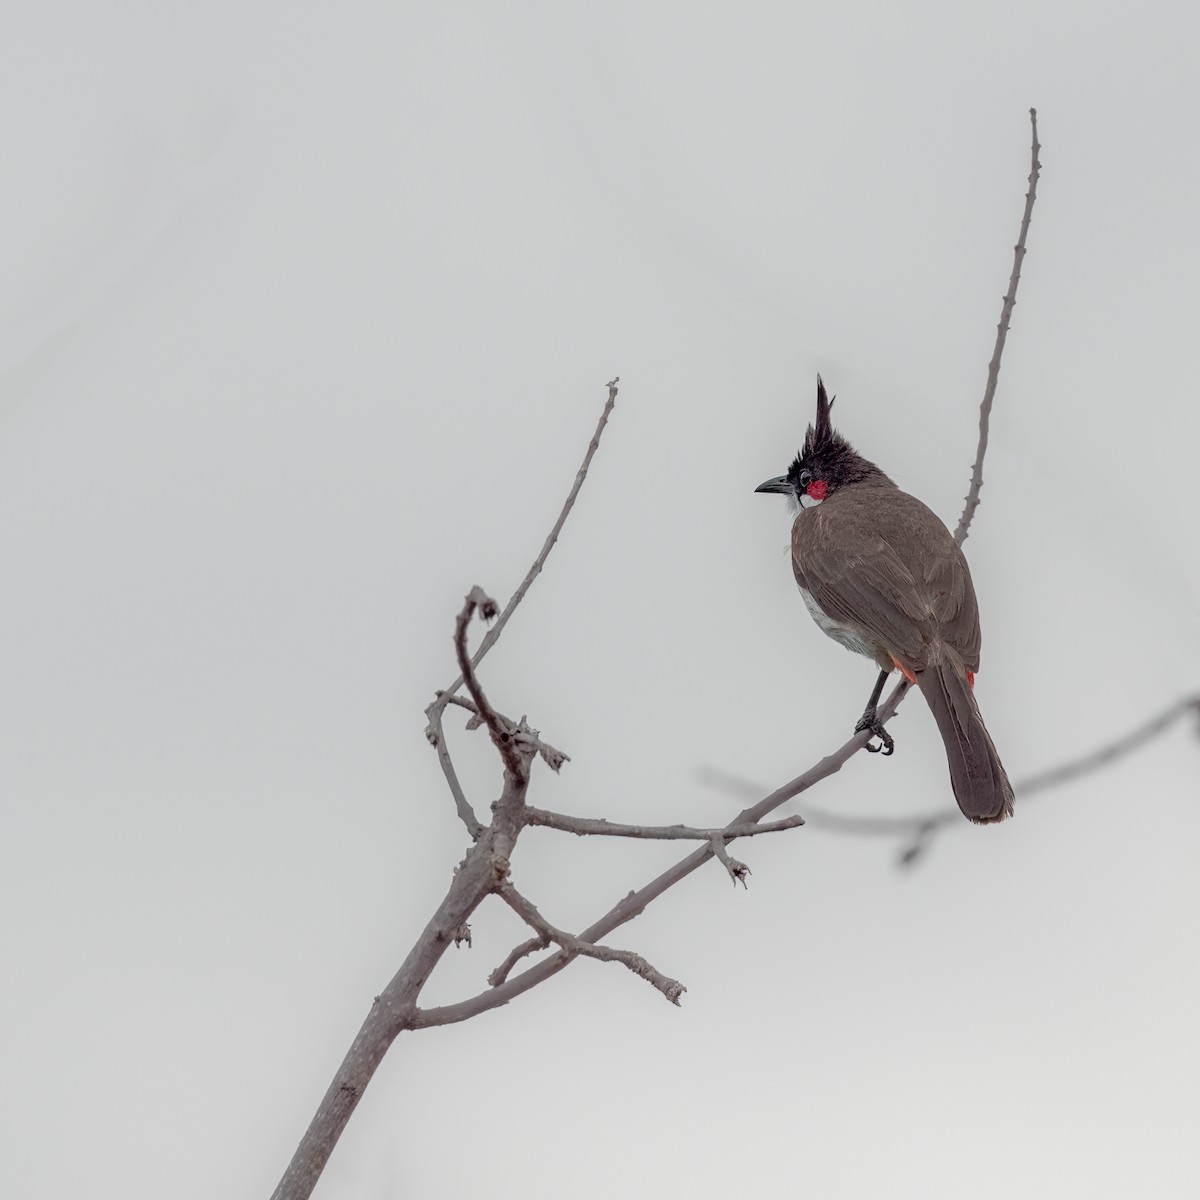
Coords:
807,501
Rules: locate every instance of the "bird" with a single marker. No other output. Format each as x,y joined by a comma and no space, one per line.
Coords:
880,573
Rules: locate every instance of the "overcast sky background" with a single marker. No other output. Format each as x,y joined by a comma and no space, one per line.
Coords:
305,316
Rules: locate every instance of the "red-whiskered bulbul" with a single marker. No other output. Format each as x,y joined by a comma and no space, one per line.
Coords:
880,573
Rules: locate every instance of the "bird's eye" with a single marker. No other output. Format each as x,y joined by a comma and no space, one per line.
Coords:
805,479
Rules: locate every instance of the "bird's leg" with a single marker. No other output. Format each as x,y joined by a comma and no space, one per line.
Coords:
870,720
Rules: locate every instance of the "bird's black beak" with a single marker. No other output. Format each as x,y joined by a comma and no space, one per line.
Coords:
779,484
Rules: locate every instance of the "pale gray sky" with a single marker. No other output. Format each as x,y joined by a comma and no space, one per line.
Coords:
305,318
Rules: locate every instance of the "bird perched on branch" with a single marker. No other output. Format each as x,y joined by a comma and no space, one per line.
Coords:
880,574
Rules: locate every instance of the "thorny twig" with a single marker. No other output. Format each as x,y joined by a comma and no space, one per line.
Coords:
993,375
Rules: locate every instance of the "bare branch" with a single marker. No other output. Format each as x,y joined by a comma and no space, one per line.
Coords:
499,729
635,902
571,945
993,375
584,826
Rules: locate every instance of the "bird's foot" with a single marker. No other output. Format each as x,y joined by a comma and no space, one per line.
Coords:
870,721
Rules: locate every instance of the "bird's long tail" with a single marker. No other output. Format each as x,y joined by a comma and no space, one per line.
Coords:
976,774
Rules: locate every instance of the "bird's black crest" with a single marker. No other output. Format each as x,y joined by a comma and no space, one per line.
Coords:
826,454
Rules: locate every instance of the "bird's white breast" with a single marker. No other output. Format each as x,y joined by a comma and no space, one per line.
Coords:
835,629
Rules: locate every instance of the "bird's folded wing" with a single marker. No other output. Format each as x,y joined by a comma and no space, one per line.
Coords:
899,604
872,592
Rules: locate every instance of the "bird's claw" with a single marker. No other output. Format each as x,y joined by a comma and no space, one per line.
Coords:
872,724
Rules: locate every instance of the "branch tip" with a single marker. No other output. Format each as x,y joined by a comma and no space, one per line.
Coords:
738,871
1006,307
488,608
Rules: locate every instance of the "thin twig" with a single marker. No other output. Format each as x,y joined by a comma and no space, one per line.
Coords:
437,738
572,945
993,375
538,563
585,826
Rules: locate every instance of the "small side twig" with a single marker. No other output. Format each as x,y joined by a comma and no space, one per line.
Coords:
514,956
574,946
993,375
437,739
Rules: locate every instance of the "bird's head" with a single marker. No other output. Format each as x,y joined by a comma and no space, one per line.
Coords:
826,463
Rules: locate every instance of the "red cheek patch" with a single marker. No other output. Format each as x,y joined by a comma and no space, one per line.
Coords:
818,489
